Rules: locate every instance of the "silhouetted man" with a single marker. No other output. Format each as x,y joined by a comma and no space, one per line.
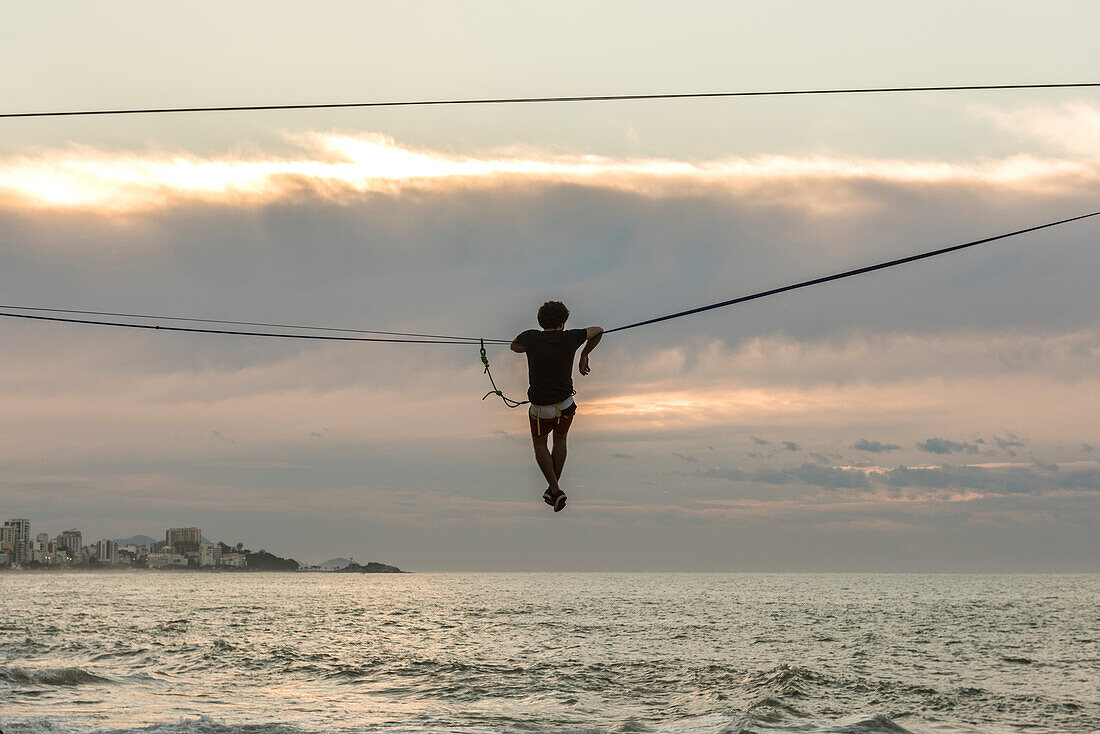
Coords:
550,373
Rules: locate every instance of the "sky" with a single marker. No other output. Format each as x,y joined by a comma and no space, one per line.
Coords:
935,417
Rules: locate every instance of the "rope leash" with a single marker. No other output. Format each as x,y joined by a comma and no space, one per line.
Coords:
496,390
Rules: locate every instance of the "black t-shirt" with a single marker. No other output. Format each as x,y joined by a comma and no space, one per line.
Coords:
550,363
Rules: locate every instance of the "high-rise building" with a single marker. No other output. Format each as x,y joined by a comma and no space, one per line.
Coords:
210,554
188,535
107,551
71,542
20,538
184,540
7,545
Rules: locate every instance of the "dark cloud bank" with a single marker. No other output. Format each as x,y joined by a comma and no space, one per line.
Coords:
874,447
1023,480
946,446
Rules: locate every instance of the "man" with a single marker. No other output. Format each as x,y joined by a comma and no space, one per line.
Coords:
550,372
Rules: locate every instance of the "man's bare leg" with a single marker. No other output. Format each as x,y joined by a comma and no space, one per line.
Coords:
558,453
546,463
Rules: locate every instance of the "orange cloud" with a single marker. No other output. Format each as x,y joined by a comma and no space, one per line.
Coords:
337,164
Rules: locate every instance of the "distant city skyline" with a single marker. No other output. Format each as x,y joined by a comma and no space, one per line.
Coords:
182,546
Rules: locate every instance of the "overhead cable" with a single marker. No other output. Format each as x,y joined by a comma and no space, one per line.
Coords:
530,100
850,273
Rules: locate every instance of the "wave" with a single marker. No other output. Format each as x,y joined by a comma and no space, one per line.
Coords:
199,725
857,724
877,724
786,680
711,699
873,724
16,676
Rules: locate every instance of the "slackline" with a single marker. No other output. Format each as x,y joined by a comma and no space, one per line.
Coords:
849,273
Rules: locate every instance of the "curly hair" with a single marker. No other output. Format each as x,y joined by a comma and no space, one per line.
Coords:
553,314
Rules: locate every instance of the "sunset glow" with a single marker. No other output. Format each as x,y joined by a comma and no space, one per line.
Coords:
337,164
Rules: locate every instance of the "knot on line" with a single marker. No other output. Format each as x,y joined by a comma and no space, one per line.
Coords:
496,390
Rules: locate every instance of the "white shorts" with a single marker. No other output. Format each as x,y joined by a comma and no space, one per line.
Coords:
549,411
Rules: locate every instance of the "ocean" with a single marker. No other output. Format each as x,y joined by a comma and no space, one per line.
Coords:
593,652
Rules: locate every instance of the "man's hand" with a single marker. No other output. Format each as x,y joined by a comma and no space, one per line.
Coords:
594,334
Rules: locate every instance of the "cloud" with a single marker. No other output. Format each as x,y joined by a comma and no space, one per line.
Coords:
831,477
335,164
1016,479
945,446
731,473
811,474
787,359
936,477
1007,444
1010,441
874,447
1072,127
1082,479
223,439
791,446
1036,478
759,441
684,457
621,456
1087,448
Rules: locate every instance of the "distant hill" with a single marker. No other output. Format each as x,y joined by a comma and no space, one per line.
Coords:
264,561
136,540
335,563
372,567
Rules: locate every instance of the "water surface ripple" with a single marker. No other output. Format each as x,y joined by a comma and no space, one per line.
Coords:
715,653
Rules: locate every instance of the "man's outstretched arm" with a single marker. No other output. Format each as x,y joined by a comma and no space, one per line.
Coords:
594,333
516,346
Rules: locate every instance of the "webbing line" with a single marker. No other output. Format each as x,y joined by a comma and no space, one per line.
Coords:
849,273
448,337
191,330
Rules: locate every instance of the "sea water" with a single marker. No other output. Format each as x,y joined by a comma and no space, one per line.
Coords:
272,652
